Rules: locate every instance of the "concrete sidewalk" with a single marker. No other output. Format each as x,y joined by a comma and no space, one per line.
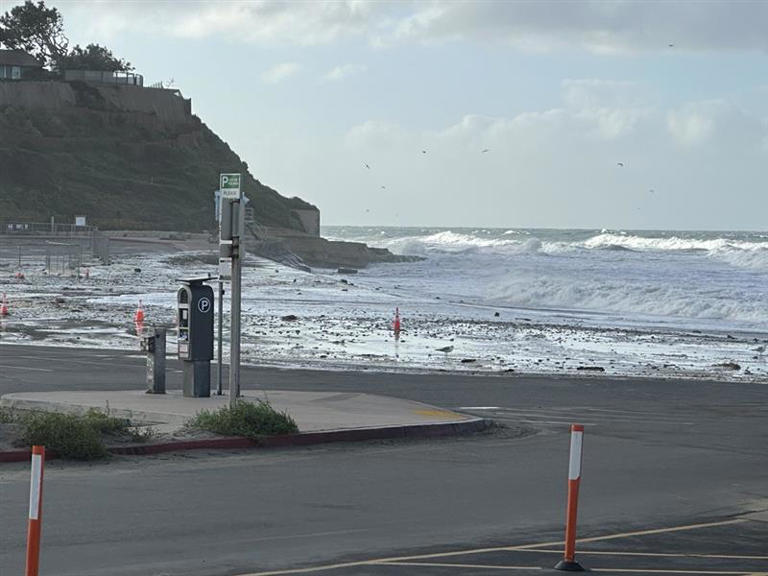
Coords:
312,411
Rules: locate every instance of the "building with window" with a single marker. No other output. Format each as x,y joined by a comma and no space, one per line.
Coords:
17,65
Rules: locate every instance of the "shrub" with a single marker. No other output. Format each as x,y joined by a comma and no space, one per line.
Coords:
245,419
75,436
7,415
69,435
106,424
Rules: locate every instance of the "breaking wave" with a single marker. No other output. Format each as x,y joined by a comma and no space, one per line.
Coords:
455,242
740,252
684,275
649,298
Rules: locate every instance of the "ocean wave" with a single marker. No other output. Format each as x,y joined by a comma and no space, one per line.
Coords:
456,242
671,243
653,299
740,253
743,251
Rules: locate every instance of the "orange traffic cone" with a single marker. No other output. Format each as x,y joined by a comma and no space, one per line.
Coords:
4,307
396,323
138,317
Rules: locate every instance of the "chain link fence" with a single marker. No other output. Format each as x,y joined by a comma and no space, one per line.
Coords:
50,248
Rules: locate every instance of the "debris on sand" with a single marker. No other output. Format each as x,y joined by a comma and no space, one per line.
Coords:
728,365
591,368
289,318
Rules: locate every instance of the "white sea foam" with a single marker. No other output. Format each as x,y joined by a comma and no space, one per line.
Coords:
455,242
641,243
633,298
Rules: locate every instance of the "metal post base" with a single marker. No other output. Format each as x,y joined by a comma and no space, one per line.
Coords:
197,378
569,566
156,364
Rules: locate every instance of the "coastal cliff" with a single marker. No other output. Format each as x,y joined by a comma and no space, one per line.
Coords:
135,158
127,157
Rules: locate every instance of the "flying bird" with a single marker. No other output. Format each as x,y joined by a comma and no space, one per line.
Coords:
671,45
423,151
620,164
383,187
484,150
366,165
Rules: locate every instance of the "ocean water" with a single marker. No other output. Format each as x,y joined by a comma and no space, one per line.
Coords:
712,280
650,304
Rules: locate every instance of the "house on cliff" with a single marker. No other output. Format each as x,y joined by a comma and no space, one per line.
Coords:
18,65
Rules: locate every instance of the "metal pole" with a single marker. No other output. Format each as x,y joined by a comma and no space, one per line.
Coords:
234,339
221,334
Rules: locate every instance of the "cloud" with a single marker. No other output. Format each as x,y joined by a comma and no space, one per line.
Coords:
345,71
280,72
598,93
248,21
693,124
593,25
597,26
596,120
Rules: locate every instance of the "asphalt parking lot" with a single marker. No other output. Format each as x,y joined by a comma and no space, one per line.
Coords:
730,546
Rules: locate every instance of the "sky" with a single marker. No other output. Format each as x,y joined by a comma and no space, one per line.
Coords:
619,115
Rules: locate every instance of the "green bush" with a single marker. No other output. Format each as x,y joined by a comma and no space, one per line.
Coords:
75,436
245,419
68,435
7,415
106,424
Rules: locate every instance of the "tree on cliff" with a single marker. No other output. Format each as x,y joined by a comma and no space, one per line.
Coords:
39,30
36,29
92,57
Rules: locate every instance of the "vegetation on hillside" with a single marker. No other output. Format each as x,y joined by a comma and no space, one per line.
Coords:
39,30
121,169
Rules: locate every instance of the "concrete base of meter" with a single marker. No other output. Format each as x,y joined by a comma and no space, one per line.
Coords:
197,378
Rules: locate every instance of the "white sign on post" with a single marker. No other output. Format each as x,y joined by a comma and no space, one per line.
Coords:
225,268
229,184
79,220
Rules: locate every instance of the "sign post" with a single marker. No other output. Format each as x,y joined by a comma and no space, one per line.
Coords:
229,184
232,247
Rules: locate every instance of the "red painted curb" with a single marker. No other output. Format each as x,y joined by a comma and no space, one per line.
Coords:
283,441
15,456
308,438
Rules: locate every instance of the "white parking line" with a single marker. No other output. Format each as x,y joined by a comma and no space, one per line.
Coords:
12,367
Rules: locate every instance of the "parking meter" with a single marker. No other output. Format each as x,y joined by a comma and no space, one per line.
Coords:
195,335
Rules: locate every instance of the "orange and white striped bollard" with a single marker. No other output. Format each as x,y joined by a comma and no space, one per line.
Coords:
568,563
396,323
138,318
35,511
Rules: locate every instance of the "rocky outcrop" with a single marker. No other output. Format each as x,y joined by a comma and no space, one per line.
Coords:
304,250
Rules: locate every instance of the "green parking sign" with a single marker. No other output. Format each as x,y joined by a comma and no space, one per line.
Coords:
229,184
